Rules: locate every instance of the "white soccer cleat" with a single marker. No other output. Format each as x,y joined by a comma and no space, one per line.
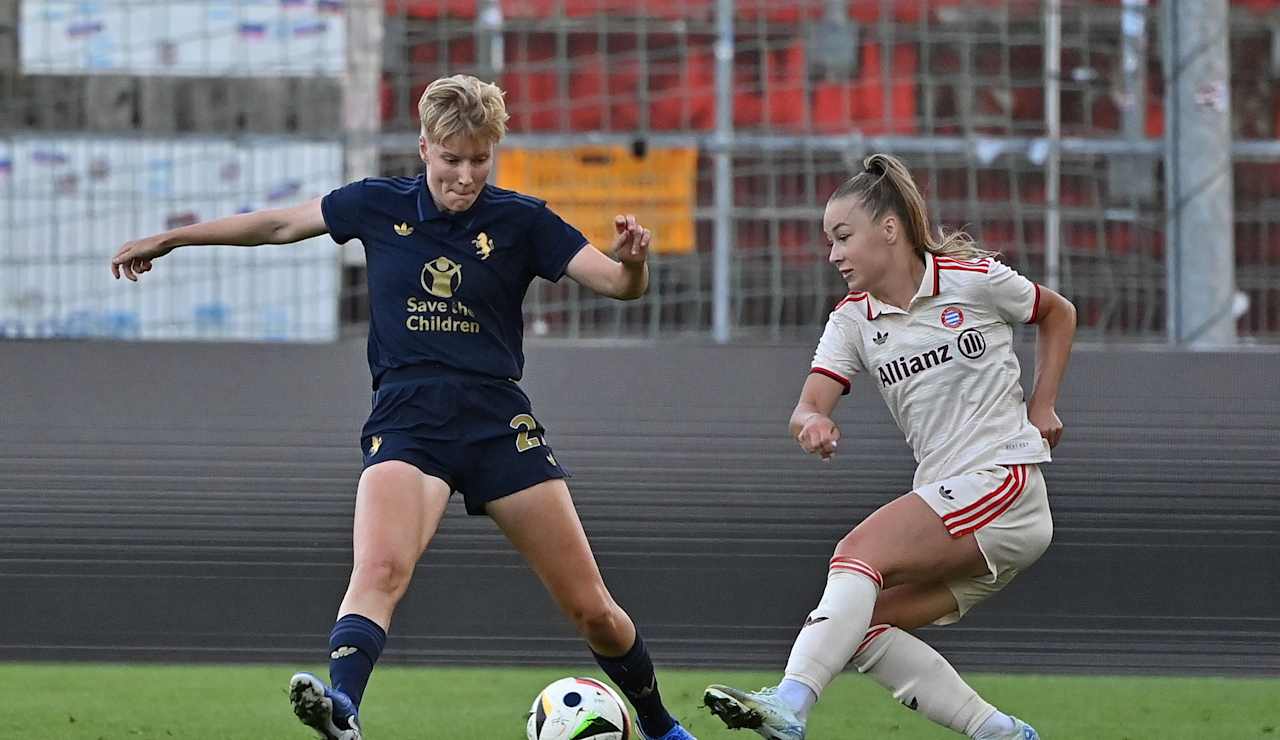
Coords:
762,711
327,711
1023,731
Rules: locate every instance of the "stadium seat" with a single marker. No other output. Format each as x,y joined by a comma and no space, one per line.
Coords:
1256,182
999,236
952,184
784,72
862,105
665,9
779,11
683,102
1257,7
800,243
532,83
993,186
432,9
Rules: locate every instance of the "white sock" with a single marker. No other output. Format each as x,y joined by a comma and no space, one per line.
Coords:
923,680
833,630
998,725
797,696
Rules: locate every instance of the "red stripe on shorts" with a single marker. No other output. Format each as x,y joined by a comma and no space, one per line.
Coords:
1002,508
965,511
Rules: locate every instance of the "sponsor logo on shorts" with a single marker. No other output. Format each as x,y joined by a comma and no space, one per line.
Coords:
375,444
945,492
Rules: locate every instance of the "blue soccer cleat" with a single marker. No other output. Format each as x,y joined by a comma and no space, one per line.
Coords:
762,711
675,733
325,710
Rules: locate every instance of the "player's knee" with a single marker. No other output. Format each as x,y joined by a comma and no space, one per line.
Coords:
856,544
383,575
598,618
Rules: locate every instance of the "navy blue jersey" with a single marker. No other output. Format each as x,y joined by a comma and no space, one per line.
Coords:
447,288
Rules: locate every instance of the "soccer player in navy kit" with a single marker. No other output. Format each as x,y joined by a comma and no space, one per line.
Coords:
929,321
449,261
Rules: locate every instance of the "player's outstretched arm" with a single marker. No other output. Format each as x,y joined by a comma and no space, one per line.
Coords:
811,423
626,278
1056,320
271,226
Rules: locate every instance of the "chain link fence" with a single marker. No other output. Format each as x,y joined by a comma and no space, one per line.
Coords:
955,87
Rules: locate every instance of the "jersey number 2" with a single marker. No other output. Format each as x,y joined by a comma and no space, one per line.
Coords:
524,424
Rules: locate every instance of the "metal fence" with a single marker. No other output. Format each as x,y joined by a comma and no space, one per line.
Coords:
955,87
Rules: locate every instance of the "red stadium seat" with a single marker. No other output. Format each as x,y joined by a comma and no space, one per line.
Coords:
952,184
532,83
993,186
861,104
586,97
998,236
529,9
668,9
465,9
799,243
779,11
784,72
1257,7
1123,237
682,103
603,94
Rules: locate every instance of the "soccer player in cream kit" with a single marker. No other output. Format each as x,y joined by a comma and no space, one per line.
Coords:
929,321
450,259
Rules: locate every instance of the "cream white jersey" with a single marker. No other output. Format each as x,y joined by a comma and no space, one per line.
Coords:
946,366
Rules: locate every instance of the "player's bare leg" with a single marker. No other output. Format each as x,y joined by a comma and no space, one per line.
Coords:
398,509
543,525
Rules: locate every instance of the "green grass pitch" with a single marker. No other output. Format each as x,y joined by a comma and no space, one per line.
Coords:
159,702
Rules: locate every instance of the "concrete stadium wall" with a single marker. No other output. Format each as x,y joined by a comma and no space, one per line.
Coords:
189,502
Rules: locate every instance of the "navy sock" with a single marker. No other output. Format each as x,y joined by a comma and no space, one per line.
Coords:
354,646
633,673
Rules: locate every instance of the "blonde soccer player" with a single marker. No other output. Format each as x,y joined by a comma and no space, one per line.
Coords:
928,321
450,258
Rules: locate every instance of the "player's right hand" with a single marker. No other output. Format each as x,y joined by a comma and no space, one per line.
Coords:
135,257
819,436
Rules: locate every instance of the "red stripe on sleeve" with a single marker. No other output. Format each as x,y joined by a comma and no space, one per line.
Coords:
1035,307
834,376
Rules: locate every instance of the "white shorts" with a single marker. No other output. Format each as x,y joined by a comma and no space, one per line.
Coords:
1006,509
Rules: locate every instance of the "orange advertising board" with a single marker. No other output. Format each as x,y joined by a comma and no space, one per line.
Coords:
587,185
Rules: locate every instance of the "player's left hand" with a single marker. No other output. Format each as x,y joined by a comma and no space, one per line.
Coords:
631,240
1046,420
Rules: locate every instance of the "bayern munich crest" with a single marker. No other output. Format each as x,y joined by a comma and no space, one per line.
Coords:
952,317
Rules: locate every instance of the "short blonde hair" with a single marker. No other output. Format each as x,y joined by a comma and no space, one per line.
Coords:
464,106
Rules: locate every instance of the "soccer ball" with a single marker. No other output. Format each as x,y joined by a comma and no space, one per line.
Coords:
578,709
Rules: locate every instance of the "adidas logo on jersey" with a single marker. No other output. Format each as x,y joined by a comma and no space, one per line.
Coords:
904,367
880,337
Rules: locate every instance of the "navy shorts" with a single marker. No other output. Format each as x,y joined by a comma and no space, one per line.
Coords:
477,434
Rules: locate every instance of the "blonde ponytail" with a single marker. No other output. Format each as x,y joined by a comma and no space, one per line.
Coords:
885,186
